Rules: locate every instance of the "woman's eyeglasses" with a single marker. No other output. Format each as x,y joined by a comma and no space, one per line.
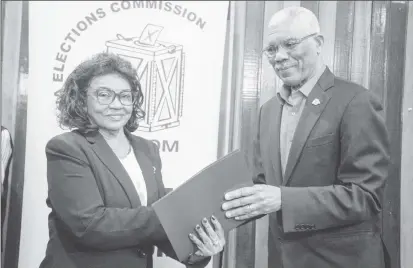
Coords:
106,96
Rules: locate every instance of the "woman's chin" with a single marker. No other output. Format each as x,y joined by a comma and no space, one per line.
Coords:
112,127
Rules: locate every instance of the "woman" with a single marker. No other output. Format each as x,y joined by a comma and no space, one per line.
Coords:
102,179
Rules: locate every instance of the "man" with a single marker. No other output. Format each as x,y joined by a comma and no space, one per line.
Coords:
321,158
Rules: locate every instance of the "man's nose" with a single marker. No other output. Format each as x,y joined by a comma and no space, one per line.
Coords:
281,54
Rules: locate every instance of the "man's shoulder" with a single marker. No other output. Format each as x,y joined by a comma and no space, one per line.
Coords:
347,95
348,91
347,87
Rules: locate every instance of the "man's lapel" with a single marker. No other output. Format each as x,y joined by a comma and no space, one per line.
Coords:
275,140
111,161
315,104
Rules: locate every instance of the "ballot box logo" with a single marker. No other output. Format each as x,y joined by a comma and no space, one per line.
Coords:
160,69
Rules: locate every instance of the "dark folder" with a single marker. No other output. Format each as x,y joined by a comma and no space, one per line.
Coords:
201,196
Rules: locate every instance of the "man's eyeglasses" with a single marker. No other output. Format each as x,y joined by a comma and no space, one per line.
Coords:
288,45
106,96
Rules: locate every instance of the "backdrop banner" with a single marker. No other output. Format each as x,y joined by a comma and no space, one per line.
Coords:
177,48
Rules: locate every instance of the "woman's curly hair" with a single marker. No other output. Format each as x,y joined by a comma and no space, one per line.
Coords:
71,99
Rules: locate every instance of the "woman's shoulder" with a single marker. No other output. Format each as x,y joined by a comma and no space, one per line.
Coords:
148,146
69,138
142,140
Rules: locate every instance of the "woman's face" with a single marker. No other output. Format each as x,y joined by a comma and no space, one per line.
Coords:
109,115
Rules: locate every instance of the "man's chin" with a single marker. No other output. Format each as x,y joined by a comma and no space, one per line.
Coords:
288,77
290,81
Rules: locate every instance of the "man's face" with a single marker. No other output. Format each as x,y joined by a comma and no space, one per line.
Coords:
293,61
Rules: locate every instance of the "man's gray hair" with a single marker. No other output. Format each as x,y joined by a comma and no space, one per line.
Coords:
300,16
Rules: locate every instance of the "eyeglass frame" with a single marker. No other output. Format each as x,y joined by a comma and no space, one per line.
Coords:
115,95
296,43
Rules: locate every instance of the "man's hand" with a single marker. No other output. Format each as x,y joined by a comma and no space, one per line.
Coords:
248,202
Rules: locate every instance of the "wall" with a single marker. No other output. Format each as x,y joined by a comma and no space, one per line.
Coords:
406,211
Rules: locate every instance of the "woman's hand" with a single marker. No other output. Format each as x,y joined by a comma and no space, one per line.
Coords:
212,238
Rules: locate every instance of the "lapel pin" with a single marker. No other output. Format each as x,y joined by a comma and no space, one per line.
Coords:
154,169
316,102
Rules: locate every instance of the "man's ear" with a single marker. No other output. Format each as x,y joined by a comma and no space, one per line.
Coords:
320,42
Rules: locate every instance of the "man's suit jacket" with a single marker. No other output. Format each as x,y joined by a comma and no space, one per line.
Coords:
97,220
332,188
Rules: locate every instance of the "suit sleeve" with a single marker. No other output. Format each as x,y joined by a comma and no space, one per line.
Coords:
164,245
255,162
76,200
257,165
358,192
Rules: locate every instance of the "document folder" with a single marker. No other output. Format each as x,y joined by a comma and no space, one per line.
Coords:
201,196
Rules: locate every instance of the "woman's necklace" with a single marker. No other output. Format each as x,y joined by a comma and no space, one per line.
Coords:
129,151
115,148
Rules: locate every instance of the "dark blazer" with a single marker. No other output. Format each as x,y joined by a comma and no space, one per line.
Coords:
332,188
97,220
